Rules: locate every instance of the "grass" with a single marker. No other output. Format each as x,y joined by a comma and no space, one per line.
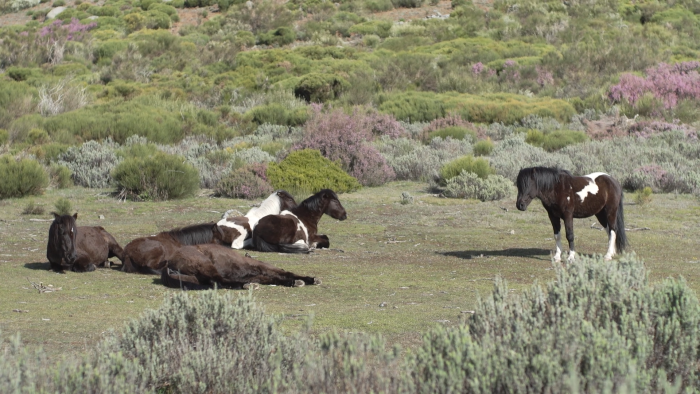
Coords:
402,268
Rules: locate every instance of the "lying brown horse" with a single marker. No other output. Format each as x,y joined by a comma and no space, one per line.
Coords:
149,255
205,266
79,249
295,230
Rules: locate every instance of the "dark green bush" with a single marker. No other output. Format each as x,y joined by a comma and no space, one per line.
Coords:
378,6
158,177
380,28
455,132
407,3
306,172
555,140
478,166
4,137
62,206
19,178
281,36
19,74
277,114
33,208
320,87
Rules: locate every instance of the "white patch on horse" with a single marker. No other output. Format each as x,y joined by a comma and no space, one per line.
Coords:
238,242
611,245
557,254
300,225
270,206
591,187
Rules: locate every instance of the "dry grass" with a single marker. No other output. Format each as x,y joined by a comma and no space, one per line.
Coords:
404,268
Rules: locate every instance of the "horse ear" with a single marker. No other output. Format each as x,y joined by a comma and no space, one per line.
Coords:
55,215
75,216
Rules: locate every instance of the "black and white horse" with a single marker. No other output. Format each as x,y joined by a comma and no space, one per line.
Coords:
565,196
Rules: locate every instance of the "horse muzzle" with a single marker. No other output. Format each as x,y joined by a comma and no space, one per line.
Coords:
521,205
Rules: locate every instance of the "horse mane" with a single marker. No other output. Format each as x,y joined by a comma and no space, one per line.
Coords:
545,177
313,203
270,206
193,235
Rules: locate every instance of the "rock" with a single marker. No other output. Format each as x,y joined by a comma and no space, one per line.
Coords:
54,12
102,217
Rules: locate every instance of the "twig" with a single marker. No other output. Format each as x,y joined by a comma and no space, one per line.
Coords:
43,289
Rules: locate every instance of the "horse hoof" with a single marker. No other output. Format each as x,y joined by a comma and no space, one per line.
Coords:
299,283
317,281
253,286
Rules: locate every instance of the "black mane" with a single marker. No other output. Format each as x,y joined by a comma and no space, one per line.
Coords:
195,234
545,177
313,203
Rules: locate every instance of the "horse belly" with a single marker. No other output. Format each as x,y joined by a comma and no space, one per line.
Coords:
91,246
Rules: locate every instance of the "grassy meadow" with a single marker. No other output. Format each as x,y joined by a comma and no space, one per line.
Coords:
393,269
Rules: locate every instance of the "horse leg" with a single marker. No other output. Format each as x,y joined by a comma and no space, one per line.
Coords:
569,226
605,220
556,226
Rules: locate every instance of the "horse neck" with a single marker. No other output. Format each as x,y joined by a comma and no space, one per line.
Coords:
271,206
549,196
308,216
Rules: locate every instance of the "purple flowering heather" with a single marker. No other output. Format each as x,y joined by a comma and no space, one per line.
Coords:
477,68
667,82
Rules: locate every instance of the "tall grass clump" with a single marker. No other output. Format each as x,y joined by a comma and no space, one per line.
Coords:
601,326
307,172
157,177
63,206
21,177
91,163
346,139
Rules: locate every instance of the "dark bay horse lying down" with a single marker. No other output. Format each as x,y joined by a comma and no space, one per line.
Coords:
79,249
203,266
565,196
238,230
295,230
149,255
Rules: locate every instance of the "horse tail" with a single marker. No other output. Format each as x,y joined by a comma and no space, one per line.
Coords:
264,246
621,237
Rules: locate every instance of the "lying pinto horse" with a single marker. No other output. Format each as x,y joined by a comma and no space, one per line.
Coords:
79,249
565,196
149,255
205,266
238,231
295,230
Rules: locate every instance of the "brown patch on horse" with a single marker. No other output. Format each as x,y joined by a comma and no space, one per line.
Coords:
149,255
79,249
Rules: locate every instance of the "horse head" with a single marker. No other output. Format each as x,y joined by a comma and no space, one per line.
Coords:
333,207
286,200
64,236
219,236
527,188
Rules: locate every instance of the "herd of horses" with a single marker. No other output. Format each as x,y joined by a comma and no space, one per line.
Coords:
203,256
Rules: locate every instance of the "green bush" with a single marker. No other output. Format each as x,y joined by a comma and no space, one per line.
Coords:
380,28
407,3
307,171
478,166
320,87
281,36
243,183
378,5
33,208
61,176
555,140
158,177
19,178
643,196
4,137
483,147
19,74
277,114
455,132
470,185
59,3
107,49
62,206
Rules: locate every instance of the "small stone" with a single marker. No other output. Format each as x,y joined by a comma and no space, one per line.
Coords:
102,217
382,305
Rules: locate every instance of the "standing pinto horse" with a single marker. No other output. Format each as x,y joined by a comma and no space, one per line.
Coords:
238,230
295,230
565,196
149,255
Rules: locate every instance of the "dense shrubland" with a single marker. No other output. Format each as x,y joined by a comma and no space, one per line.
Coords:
599,327
520,83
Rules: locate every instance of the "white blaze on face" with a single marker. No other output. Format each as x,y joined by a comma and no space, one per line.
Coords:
238,242
591,187
300,225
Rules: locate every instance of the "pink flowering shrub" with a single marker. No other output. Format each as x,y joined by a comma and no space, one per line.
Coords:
651,175
477,68
245,182
648,128
53,37
669,83
346,139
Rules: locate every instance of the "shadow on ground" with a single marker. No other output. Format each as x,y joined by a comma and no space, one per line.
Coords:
38,266
512,252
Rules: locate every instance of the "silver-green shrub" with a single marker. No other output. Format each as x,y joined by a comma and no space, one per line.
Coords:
411,160
470,185
599,327
513,153
91,163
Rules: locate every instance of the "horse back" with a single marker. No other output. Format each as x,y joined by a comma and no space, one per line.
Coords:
594,192
280,229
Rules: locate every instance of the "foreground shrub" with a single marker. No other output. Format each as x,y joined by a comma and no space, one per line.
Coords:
21,177
244,183
470,185
345,138
306,172
600,326
91,163
158,177
479,166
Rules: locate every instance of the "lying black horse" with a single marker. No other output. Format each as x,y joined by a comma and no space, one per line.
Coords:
565,196
79,249
204,266
295,230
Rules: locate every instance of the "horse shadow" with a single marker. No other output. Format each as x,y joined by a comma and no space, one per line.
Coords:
38,265
532,253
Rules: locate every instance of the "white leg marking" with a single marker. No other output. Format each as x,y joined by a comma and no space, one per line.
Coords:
557,254
572,256
611,245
